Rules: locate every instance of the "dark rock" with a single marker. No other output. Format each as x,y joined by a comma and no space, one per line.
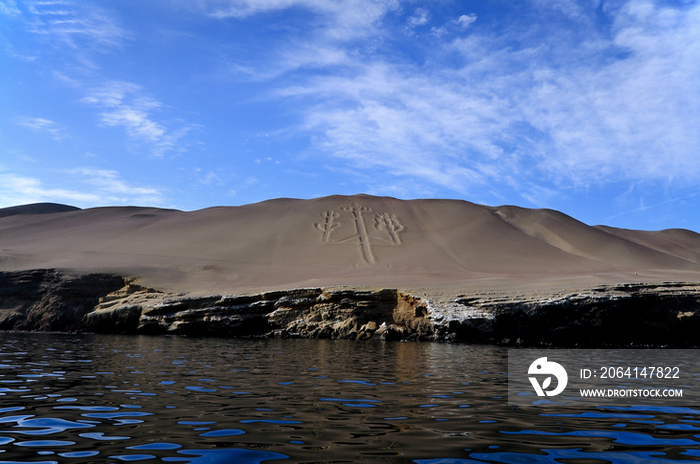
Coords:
660,314
51,300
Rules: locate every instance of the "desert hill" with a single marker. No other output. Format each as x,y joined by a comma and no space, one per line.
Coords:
338,240
36,208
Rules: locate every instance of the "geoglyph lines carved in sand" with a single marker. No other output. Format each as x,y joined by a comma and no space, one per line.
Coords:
328,225
383,222
389,223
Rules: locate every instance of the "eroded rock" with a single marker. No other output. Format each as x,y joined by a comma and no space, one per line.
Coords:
661,314
51,300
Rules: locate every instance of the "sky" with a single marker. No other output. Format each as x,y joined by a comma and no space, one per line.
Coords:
590,107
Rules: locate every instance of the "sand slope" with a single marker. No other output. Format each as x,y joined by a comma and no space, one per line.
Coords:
36,208
337,240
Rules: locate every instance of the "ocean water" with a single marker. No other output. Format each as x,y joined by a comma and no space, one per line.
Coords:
114,399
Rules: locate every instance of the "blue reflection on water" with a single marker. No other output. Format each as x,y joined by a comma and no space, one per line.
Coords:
79,454
677,427
44,443
200,389
133,457
344,400
42,426
667,409
226,456
13,409
270,421
449,461
24,462
624,438
361,382
398,397
156,446
102,437
89,408
222,433
118,416
600,415
554,456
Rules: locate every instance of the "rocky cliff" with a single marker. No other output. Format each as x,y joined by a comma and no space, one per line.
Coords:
663,314
50,300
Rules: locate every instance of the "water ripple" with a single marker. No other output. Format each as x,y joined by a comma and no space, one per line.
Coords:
625,438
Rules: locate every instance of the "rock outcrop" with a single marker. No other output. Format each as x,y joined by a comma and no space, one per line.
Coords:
625,315
663,314
50,300
304,313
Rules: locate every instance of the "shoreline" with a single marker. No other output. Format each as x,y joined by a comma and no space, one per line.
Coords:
627,314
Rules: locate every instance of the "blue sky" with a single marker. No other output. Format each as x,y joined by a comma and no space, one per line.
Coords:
589,107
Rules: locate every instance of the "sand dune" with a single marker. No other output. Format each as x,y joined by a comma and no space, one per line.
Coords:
36,208
337,240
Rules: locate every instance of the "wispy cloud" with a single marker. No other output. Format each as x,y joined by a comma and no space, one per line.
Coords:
410,124
126,105
110,186
91,187
336,19
633,116
9,7
465,20
642,206
568,102
43,125
420,17
208,178
19,190
75,24
248,182
77,32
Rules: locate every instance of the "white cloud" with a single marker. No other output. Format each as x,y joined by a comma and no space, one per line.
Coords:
338,19
76,24
438,31
465,20
111,94
350,9
410,125
109,187
553,97
136,122
65,79
42,125
572,8
20,190
634,117
250,180
210,178
89,187
420,17
524,105
126,106
9,7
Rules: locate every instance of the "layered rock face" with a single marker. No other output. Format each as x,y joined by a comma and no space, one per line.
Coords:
664,314
50,300
306,313
625,315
